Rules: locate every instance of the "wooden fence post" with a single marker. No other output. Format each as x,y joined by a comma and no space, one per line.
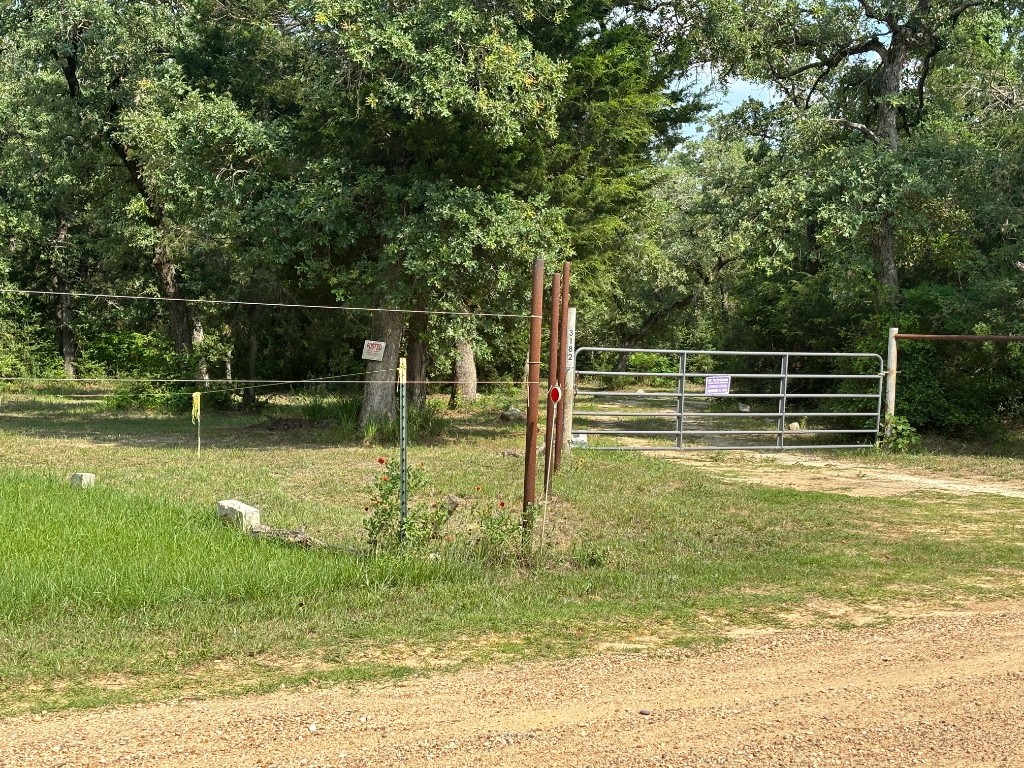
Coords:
890,381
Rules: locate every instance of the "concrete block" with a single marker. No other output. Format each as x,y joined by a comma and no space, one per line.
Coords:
82,480
235,512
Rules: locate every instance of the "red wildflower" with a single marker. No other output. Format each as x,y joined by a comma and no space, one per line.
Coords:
381,460
385,478
501,504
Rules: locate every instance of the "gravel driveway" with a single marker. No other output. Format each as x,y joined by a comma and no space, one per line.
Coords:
945,689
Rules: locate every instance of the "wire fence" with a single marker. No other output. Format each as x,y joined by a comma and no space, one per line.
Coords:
113,416
300,456
276,305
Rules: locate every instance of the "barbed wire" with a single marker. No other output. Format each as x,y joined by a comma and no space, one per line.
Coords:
282,305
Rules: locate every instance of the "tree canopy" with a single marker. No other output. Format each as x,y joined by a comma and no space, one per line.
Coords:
419,155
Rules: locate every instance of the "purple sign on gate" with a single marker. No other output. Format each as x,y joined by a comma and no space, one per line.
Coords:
717,385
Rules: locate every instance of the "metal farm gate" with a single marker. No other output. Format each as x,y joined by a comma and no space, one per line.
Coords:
692,400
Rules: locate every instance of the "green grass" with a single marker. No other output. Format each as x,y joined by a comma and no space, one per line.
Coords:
132,590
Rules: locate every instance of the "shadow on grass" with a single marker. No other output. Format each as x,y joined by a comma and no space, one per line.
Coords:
278,426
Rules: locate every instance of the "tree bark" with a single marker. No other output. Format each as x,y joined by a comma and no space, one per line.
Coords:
883,239
178,315
249,394
884,242
67,340
464,389
379,401
894,62
416,346
198,337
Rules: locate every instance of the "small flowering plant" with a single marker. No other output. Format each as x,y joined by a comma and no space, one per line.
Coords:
500,538
491,530
383,523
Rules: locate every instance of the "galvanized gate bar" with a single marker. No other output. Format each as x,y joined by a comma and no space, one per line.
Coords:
751,415
687,408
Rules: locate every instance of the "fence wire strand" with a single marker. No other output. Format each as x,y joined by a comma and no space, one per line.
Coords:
280,305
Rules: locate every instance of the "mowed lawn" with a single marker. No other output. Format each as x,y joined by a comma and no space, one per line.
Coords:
132,590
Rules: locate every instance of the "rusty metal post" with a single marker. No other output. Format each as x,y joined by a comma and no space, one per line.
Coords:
952,337
533,392
563,345
549,432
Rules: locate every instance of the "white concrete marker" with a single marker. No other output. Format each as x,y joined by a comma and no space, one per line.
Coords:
236,513
82,480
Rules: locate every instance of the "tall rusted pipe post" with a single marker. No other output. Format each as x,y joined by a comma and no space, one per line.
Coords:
533,392
549,431
563,345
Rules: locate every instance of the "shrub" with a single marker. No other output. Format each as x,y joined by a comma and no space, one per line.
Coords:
385,529
900,437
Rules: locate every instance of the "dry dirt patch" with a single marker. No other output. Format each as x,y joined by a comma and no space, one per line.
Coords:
846,477
937,690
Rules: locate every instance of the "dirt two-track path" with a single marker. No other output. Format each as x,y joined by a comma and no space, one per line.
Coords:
939,689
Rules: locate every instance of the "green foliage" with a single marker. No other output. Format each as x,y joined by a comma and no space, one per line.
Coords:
653,363
429,423
900,436
490,533
384,526
144,396
420,157
500,535
807,192
343,412
137,355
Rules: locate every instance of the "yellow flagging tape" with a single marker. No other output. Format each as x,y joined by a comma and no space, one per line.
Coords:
197,401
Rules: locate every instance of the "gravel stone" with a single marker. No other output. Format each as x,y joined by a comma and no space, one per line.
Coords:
950,693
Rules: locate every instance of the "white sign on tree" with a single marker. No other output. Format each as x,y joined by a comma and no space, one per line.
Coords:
373,350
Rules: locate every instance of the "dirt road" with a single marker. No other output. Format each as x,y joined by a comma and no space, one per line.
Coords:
845,476
938,690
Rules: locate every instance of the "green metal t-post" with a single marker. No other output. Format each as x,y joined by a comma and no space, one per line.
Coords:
403,443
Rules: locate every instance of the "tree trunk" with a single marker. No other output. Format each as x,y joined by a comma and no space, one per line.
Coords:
379,401
464,389
67,340
894,62
417,352
178,313
883,239
66,332
198,337
249,394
